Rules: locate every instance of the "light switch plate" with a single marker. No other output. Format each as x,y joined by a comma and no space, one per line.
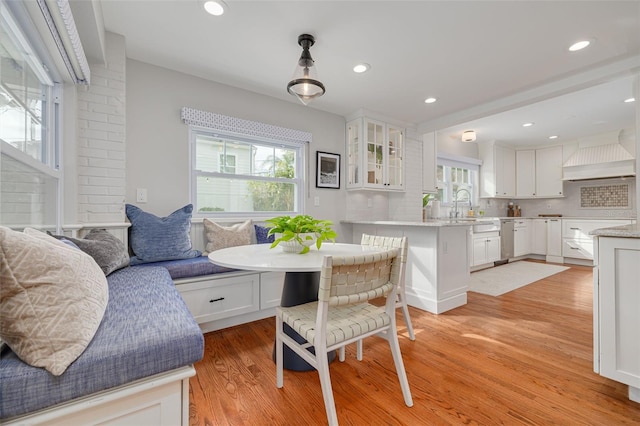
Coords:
141,195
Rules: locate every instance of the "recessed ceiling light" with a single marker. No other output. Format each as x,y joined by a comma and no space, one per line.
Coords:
553,137
215,7
630,100
360,68
430,100
527,125
579,45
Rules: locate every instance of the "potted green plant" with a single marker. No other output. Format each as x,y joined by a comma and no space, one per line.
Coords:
299,232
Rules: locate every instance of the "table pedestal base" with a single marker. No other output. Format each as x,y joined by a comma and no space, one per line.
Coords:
299,288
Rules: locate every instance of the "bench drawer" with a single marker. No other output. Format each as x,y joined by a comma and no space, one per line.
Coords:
215,299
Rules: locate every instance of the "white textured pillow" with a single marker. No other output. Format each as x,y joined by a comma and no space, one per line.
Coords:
219,237
52,298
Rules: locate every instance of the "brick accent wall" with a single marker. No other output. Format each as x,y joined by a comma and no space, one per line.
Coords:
102,138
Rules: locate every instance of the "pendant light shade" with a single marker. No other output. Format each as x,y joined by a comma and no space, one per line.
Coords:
305,84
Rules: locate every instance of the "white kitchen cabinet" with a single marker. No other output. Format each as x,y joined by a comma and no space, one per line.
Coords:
429,163
498,171
521,237
539,236
554,240
375,155
577,243
616,297
526,173
539,173
549,181
486,248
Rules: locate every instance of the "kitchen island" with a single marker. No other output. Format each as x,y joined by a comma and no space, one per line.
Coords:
438,260
616,305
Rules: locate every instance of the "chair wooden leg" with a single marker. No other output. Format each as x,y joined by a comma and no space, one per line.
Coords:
279,353
392,337
325,383
359,350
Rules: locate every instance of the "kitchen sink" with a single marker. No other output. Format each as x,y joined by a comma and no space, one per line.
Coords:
486,226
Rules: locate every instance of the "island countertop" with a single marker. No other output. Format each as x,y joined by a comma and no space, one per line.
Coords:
427,223
626,231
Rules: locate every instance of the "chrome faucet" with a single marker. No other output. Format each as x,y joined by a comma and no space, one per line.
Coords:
455,198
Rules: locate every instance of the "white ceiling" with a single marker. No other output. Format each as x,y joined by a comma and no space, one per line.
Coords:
474,56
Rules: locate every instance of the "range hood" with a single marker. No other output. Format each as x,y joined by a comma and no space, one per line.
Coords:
610,160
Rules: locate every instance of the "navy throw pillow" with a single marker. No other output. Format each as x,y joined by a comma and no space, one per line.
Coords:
262,236
154,238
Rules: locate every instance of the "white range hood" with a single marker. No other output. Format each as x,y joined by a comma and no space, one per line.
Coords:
610,160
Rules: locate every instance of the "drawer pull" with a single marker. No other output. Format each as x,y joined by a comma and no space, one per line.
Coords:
575,248
216,300
576,229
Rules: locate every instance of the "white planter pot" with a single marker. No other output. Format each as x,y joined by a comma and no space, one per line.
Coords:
293,246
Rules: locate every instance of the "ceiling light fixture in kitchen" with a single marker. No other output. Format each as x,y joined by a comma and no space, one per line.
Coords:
553,137
360,68
629,100
215,7
579,45
305,84
468,136
527,125
430,100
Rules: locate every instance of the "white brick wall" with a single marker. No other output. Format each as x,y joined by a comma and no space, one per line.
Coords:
101,140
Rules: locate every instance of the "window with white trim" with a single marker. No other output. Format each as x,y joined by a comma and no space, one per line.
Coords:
456,177
245,175
29,130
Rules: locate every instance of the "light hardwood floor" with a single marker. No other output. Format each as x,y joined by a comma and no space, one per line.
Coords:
524,358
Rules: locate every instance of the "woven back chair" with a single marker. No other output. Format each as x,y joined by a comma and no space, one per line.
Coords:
342,316
402,244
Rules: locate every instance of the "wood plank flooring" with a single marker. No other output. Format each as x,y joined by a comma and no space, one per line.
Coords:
524,358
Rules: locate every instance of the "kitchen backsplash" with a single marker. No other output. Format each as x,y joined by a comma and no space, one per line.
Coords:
604,196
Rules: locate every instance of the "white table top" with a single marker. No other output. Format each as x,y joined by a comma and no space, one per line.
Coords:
259,257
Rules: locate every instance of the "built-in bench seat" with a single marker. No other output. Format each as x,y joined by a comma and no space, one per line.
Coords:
217,297
188,268
145,345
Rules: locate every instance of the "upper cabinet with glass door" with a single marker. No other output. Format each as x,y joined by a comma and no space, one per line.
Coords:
375,155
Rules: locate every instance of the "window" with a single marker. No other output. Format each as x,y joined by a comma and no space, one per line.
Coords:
29,129
227,163
252,176
457,177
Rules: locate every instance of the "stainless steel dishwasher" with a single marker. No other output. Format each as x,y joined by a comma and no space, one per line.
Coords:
506,240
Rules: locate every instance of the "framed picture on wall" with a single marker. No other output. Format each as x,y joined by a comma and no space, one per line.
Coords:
327,170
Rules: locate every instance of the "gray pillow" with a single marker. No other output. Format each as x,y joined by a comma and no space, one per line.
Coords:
108,251
153,238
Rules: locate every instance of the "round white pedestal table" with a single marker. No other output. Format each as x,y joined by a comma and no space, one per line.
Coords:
302,277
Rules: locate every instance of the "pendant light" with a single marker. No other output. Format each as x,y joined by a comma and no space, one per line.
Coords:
305,84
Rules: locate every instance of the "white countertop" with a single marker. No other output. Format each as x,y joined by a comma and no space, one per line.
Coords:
626,231
468,221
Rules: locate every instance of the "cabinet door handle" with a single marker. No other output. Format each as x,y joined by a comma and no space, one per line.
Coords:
216,300
575,229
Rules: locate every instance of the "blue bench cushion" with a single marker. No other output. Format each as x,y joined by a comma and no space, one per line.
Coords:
185,268
147,329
